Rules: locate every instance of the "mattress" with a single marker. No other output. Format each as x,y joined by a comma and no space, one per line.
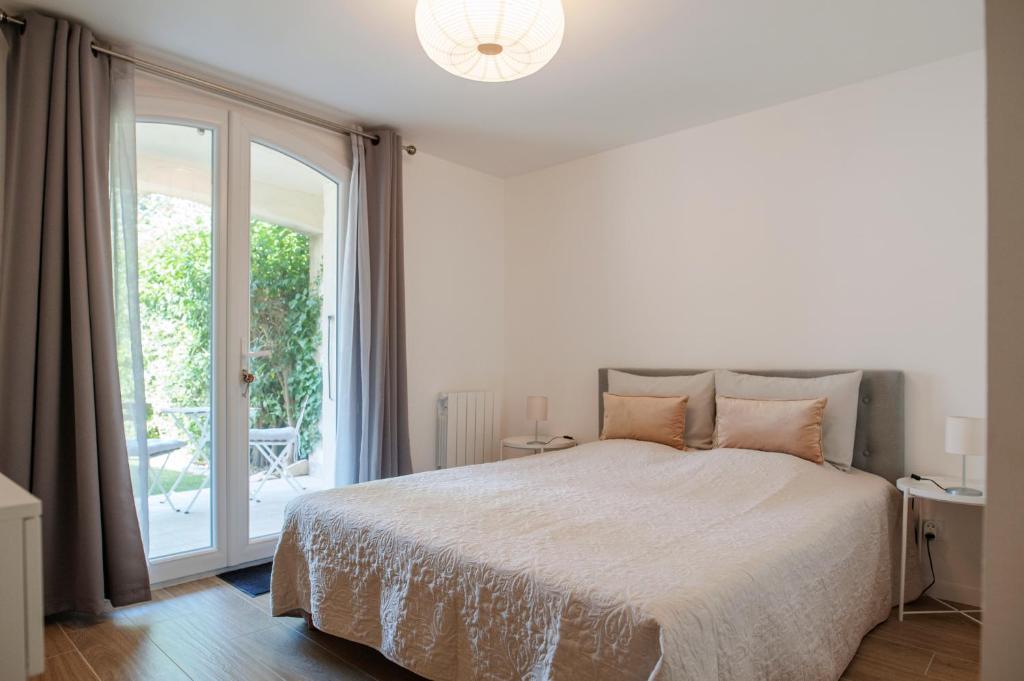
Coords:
614,560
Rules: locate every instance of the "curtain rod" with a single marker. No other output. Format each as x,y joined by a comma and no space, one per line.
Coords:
222,90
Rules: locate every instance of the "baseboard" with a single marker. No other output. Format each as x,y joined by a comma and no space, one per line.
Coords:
961,593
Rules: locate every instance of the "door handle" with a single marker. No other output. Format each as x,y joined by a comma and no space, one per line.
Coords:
247,379
247,376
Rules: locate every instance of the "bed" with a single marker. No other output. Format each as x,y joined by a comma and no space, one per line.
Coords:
614,560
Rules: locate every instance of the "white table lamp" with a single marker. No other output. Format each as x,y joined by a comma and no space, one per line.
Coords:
966,436
536,411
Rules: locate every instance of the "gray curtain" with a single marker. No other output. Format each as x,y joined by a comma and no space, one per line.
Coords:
374,418
61,417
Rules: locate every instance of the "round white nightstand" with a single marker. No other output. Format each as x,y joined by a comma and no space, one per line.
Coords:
923,489
522,443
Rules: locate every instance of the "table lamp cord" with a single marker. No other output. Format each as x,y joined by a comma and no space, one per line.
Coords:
915,476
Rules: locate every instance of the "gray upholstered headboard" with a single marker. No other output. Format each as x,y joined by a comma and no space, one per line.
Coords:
879,446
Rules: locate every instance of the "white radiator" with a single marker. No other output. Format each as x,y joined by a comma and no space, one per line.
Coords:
466,431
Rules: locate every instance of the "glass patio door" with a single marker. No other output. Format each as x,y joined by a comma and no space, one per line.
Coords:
175,219
238,252
284,242
181,282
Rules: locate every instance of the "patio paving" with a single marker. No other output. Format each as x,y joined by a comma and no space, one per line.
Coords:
173,532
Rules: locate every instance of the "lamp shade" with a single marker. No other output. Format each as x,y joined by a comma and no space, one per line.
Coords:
490,40
536,408
966,435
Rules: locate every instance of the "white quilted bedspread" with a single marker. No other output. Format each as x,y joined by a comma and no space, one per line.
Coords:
613,560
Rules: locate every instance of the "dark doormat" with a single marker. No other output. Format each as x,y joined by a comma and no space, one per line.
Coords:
253,580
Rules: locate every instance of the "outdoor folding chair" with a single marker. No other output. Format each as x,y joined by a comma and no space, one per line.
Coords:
157,447
277,446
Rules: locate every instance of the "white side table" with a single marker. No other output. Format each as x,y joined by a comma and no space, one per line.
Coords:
522,443
923,489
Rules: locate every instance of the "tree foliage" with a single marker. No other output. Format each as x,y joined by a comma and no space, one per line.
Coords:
175,295
285,307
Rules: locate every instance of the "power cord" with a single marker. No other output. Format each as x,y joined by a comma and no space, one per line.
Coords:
915,476
929,537
564,437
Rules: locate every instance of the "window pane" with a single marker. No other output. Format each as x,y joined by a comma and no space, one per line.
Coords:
175,224
292,237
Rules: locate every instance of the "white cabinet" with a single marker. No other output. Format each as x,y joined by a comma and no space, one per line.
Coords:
21,583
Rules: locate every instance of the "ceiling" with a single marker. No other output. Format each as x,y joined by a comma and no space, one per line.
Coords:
627,71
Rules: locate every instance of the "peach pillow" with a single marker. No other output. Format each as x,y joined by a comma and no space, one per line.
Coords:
652,419
787,426
700,407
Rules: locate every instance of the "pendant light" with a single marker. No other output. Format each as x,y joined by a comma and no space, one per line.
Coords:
490,40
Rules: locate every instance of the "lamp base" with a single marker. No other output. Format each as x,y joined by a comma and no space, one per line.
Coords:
536,436
964,491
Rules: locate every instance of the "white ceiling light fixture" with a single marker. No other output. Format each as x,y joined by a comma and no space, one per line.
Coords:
490,40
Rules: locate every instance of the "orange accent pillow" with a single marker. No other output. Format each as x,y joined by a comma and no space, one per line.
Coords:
787,426
652,419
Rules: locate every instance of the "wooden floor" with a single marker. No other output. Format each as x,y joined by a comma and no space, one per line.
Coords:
210,630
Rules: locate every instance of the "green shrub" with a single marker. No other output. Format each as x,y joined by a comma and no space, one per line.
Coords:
285,307
175,289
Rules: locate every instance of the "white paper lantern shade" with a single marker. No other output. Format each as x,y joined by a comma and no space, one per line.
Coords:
490,40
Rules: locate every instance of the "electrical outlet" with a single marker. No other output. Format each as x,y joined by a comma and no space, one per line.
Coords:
933,527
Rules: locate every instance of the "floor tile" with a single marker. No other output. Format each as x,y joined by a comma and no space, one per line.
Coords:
946,668
364,657
55,641
121,650
67,666
953,635
295,657
879,658
204,649
262,602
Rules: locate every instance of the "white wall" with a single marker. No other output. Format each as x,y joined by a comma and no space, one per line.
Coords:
455,279
846,229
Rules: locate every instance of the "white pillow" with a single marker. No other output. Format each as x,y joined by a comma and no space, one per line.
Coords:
842,390
700,407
